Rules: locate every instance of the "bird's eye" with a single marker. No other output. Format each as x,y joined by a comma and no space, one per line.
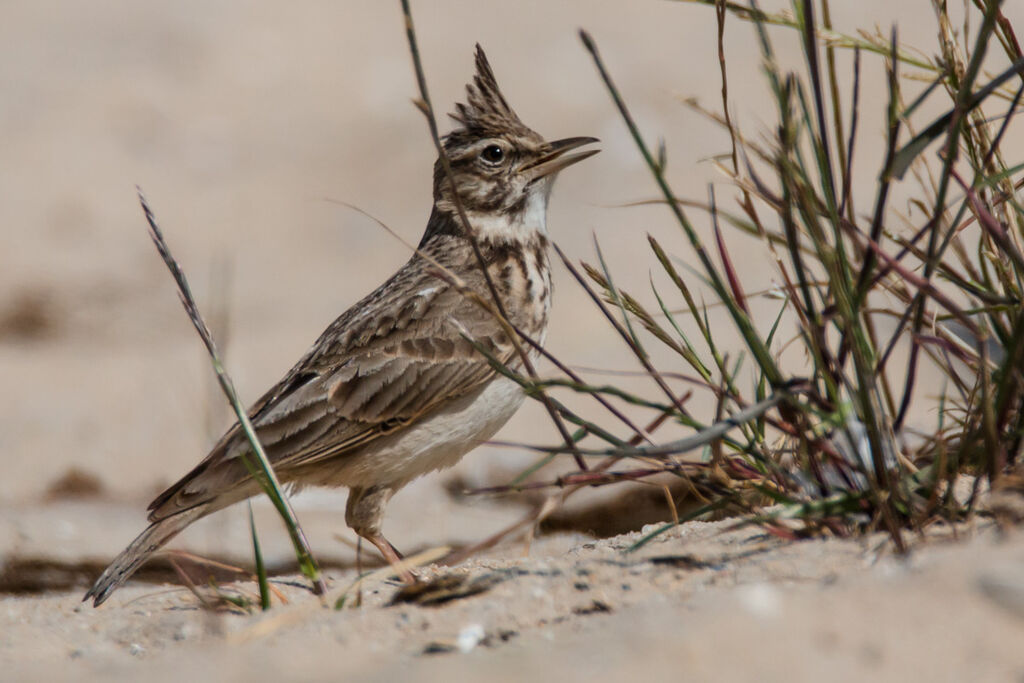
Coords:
493,154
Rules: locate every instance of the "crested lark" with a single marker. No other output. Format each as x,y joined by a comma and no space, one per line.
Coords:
391,390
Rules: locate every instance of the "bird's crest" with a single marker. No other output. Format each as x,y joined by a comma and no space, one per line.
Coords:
486,112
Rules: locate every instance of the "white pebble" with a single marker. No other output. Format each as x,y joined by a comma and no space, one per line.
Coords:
469,637
761,600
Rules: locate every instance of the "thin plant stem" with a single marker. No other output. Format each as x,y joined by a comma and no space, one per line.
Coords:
262,470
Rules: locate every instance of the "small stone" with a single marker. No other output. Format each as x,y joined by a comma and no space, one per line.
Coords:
761,600
469,637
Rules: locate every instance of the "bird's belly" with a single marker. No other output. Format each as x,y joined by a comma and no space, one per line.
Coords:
435,442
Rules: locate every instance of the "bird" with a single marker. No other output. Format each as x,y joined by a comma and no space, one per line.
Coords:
400,384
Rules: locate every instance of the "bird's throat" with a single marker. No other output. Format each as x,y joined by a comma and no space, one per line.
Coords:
521,223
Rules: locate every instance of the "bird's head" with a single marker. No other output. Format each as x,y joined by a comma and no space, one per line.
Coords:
502,169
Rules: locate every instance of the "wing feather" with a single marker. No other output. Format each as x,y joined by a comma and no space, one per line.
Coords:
366,376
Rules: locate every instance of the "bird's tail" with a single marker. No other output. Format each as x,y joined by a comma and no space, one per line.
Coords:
148,542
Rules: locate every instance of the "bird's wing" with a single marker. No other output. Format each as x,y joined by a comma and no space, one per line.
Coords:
373,393
394,357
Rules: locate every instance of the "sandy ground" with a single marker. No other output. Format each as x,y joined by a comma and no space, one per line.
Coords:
705,601
240,120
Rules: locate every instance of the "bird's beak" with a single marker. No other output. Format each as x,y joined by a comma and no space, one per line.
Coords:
554,159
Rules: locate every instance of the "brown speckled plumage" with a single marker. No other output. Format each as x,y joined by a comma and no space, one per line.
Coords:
391,389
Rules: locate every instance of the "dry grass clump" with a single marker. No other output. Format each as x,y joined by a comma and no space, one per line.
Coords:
940,288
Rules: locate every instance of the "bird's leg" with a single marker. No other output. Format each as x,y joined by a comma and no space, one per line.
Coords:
392,556
364,512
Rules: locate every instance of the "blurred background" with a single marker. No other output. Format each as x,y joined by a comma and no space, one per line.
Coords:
241,121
